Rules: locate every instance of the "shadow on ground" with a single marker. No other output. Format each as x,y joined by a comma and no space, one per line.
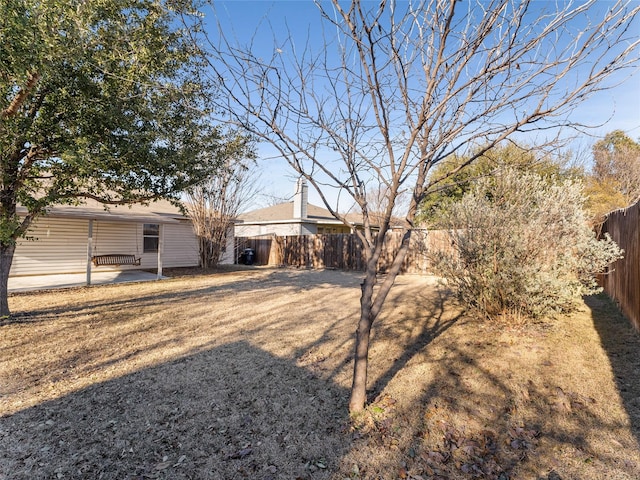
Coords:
452,397
249,280
226,413
502,402
428,314
622,344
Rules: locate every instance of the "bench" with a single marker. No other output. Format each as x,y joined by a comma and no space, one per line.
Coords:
115,259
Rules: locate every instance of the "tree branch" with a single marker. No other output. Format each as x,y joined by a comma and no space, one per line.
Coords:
21,96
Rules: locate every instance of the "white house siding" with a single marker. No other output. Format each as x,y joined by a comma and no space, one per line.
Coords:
59,245
56,246
307,229
228,256
280,229
119,238
180,247
284,229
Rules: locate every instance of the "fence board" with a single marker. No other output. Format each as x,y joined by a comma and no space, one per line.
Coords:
622,282
340,251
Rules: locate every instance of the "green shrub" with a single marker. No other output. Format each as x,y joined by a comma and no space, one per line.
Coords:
523,246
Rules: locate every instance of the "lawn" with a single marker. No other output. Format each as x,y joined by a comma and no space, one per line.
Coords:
246,374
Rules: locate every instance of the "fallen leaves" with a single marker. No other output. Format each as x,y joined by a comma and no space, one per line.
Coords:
228,389
567,402
238,454
316,464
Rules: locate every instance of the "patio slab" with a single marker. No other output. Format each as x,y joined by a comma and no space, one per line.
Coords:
46,282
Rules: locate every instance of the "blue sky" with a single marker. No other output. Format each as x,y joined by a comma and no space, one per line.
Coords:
267,24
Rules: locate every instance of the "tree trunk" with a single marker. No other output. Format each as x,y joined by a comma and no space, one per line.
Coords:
361,361
369,311
6,258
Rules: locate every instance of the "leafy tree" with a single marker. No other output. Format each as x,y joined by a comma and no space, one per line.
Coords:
98,100
615,177
523,246
398,87
456,181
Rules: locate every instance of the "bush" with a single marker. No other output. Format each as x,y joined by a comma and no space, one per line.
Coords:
523,246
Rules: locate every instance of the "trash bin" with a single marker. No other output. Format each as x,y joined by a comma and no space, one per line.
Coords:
249,255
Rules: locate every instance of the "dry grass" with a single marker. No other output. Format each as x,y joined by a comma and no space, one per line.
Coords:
245,374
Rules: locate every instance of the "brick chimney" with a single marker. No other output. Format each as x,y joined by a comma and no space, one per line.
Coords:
300,199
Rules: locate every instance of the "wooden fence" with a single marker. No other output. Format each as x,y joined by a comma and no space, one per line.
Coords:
622,282
341,251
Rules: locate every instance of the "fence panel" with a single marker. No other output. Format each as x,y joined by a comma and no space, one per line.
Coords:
622,282
341,251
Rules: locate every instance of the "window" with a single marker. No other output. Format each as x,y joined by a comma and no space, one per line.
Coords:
151,237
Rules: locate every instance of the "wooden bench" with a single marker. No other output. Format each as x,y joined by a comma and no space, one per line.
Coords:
115,259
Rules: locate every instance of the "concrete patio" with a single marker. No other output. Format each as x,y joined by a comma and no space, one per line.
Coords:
46,282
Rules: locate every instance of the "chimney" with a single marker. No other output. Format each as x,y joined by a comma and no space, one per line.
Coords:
300,199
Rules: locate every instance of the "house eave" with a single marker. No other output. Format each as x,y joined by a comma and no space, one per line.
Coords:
110,215
290,221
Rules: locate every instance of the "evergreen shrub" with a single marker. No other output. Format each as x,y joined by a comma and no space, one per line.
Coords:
523,246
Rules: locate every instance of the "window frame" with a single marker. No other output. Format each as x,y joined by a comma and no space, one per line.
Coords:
150,235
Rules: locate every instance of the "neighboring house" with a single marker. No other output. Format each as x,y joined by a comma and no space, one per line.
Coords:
292,218
65,240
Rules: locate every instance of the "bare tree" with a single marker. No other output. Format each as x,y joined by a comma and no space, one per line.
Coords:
272,199
378,199
397,87
214,204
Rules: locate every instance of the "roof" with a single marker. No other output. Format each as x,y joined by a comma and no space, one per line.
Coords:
160,211
283,212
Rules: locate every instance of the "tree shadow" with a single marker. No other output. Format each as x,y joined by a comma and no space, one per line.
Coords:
432,306
478,404
227,409
228,412
434,311
255,281
622,345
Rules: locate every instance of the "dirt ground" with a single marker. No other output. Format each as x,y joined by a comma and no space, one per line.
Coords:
246,374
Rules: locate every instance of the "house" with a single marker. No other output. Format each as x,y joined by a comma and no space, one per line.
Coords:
67,238
297,217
